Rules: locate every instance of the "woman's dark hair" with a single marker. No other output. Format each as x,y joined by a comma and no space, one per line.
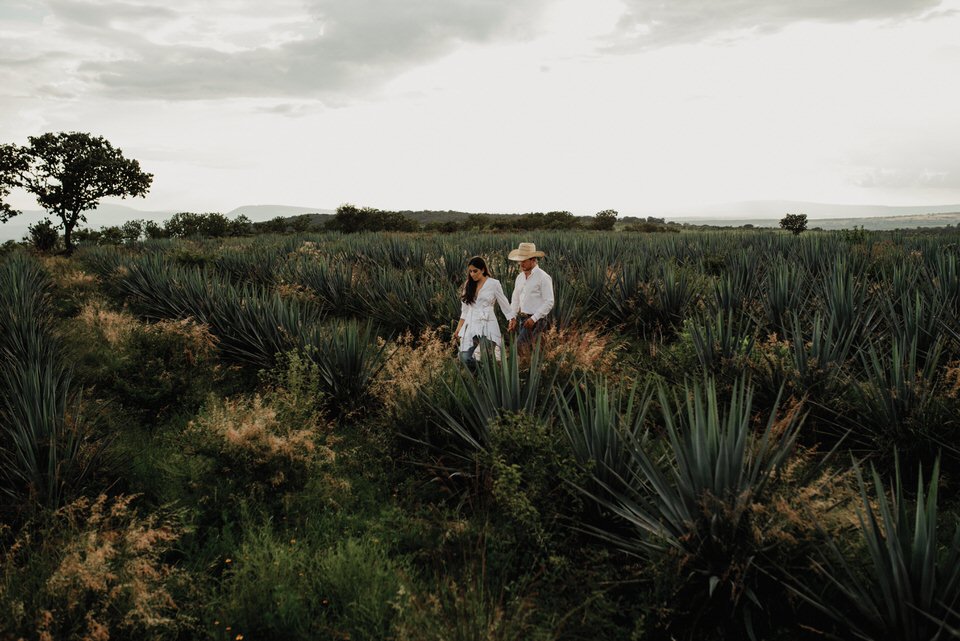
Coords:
470,287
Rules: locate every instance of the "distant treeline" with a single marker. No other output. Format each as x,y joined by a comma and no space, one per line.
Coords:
352,219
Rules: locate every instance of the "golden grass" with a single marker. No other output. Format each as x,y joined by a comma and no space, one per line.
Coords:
414,363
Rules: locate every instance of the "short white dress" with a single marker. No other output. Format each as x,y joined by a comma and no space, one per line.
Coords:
479,318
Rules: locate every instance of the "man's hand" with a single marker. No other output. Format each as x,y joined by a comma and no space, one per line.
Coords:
512,325
529,323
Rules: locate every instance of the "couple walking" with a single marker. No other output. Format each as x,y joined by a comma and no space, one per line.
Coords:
527,308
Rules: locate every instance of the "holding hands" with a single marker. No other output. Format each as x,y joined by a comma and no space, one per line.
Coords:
512,325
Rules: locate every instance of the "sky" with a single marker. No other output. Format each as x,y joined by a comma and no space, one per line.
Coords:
498,105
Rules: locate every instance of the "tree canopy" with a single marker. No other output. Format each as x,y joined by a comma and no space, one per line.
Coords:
795,223
68,174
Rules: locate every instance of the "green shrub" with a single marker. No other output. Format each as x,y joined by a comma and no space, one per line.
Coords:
43,235
165,367
533,479
280,587
250,453
467,610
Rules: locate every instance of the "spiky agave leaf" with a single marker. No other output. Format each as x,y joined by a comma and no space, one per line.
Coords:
696,502
473,401
600,421
909,587
348,357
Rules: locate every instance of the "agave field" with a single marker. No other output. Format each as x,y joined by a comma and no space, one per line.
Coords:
723,435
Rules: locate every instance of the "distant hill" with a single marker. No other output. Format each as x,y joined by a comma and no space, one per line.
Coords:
104,215
266,212
876,223
777,209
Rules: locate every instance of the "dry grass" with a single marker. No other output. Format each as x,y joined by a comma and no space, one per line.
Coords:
414,363
109,578
952,378
579,349
116,328
113,326
245,435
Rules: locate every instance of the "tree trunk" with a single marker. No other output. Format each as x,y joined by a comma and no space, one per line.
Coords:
68,224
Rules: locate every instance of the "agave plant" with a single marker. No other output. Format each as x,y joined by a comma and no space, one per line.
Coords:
674,294
253,325
844,293
333,283
408,301
698,502
718,339
467,407
600,422
41,453
818,354
348,358
256,264
785,292
896,405
908,586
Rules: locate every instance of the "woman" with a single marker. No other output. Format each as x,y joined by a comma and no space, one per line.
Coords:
478,323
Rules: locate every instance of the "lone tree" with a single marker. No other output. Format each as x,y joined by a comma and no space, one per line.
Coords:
68,173
794,222
605,220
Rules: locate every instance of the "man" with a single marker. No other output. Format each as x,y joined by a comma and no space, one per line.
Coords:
532,297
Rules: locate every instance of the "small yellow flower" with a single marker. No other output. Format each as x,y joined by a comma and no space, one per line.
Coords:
228,561
239,637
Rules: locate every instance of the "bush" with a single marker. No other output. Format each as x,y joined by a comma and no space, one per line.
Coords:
533,479
43,235
95,570
151,369
794,223
253,454
164,368
283,588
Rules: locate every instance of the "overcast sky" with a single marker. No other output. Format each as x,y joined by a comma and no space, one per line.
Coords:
490,105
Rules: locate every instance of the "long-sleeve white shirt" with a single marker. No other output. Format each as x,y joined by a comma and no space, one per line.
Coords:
533,294
479,318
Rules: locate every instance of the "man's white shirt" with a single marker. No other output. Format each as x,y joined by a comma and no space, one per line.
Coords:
533,294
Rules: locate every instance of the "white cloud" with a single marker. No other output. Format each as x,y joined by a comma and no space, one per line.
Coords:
655,23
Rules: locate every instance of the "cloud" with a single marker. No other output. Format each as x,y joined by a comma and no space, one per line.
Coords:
657,23
327,49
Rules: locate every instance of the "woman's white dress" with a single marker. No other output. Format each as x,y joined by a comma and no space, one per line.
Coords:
479,318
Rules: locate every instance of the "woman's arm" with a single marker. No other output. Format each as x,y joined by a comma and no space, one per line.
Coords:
463,318
505,306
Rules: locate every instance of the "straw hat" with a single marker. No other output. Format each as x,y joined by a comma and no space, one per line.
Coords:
525,251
